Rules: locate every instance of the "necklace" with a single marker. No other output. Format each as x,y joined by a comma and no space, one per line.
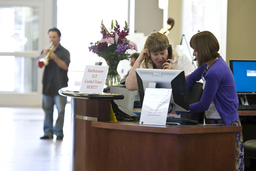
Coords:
204,72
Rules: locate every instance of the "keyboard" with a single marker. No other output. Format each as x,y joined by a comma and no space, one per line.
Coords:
247,107
180,121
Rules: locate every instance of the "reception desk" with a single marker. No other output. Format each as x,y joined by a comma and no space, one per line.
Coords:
101,145
247,112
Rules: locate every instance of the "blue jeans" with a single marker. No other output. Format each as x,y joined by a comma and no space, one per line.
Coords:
48,103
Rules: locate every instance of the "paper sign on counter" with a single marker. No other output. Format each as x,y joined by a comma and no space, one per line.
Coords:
155,106
94,79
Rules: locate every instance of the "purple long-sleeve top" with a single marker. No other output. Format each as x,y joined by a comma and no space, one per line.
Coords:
219,87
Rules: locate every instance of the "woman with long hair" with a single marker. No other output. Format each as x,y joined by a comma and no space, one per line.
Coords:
158,54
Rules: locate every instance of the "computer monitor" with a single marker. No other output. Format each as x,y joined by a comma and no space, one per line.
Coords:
160,78
244,72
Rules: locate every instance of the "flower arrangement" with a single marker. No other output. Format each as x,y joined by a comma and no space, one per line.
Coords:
113,47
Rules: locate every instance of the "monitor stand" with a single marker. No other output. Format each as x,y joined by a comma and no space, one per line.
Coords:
244,100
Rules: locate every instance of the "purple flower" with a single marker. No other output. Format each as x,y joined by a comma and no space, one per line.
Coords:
102,46
93,48
121,48
113,41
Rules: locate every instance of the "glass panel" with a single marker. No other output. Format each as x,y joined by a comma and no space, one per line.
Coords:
20,75
89,27
19,28
198,7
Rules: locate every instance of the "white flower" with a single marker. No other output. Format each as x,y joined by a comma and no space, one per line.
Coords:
116,37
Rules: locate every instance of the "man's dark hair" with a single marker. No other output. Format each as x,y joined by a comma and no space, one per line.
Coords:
135,55
56,30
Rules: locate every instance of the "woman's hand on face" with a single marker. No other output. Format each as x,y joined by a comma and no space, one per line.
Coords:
167,64
143,54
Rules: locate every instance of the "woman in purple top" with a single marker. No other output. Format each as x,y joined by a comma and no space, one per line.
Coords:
219,99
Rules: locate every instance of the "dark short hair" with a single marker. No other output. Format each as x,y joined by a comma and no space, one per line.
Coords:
206,45
135,55
56,30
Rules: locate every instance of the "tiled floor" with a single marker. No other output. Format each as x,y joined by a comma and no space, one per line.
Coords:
21,148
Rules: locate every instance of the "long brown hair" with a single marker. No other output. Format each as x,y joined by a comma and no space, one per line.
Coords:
206,45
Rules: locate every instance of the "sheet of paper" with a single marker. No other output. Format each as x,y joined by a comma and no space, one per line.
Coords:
94,79
155,106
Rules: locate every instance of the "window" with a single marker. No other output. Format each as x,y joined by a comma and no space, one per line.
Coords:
83,27
201,15
19,32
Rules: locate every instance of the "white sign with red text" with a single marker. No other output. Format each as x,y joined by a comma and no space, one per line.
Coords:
94,79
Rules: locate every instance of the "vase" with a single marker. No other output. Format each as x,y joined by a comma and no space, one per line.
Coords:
113,78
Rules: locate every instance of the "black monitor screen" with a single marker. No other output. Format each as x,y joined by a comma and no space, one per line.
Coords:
172,79
244,72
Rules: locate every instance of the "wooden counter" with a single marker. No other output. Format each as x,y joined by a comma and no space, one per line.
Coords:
247,112
128,146
98,145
